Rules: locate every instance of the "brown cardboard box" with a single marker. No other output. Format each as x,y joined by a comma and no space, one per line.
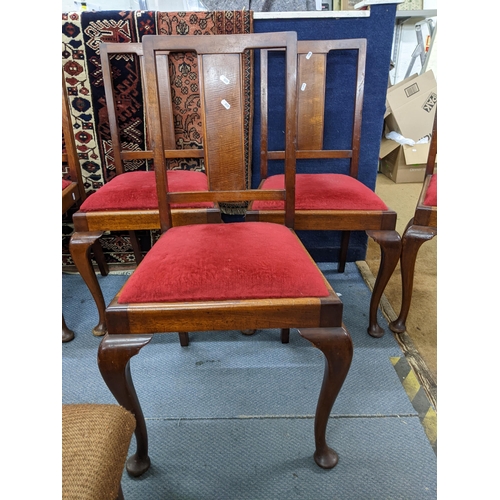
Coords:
411,5
411,106
403,163
393,88
410,111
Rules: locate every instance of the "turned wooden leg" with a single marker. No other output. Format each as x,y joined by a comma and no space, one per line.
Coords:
344,247
390,250
136,247
285,335
413,238
79,246
113,359
336,345
67,334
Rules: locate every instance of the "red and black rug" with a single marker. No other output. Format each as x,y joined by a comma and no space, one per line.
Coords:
82,32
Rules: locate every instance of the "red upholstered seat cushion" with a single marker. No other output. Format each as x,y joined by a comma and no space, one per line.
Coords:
65,184
430,198
137,191
239,260
323,192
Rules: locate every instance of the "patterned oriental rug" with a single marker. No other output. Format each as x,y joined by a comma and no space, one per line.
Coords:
81,34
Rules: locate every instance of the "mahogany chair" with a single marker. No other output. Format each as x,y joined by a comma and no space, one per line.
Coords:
329,201
228,276
129,202
421,228
73,192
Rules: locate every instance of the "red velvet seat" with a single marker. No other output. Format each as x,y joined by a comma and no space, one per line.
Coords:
323,192
237,261
430,198
137,191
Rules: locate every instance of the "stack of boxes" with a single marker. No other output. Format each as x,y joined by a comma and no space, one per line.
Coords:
410,110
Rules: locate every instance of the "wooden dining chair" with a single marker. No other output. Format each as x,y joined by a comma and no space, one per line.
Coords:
326,200
228,276
421,228
73,192
129,201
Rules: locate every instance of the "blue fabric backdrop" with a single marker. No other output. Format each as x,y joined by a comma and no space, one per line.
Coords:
378,29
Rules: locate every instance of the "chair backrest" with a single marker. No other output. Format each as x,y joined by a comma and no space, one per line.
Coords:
70,159
220,62
122,151
311,99
431,159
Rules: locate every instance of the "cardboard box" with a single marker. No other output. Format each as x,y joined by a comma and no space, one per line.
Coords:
411,106
395,167
403,163
411,5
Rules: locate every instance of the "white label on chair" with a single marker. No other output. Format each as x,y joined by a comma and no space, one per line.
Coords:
73,194
303,87
309,54
224,79
225,104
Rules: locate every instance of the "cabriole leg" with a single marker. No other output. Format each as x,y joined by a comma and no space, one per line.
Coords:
413,238
390,251
336,345
113,359
79,246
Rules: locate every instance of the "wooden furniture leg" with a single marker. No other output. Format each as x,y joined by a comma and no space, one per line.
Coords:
390,250
134,241
113,359
344,247
99,257
67,334
184,339
413,238
285,335
336,345
79,246
115,352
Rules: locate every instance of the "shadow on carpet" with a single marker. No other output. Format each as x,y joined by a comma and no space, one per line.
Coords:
231,416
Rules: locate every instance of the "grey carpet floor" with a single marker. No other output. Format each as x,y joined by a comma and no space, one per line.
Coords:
231,416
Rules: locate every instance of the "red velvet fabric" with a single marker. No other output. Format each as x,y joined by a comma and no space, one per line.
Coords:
430,198
239,260
65,184
323,192
137,191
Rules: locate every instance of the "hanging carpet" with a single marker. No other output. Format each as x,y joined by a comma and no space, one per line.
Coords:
82,32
